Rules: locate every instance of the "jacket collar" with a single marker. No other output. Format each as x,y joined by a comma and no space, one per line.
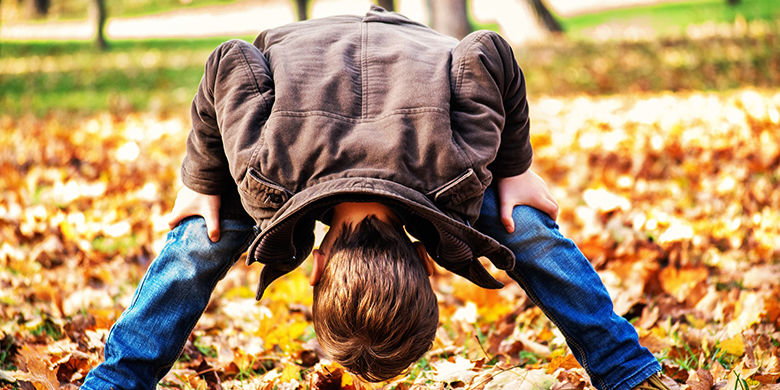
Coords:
379,14
288,238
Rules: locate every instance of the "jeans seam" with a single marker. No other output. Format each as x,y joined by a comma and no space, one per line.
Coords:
553,226
107,345
552,318
638,372
223,271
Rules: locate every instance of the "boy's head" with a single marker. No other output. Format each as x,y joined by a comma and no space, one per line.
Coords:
374,309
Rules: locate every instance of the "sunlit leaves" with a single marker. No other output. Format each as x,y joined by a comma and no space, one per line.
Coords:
675,198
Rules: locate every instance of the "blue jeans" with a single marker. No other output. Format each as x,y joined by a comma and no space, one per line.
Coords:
562,282
147,338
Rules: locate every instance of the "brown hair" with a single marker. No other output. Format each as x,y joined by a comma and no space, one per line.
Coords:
374,310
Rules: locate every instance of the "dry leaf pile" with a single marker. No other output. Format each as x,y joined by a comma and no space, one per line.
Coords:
674,198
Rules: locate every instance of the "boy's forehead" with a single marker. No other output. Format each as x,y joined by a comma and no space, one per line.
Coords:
324,213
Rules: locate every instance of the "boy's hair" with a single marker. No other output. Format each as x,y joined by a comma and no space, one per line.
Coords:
374,310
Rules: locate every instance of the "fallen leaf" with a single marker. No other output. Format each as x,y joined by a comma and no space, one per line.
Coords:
700,380
679,282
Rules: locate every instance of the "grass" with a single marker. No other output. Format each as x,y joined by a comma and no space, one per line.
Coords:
131,46
162,74
79,9
673,18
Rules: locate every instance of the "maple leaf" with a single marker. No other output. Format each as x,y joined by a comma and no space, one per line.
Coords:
35,369
461,370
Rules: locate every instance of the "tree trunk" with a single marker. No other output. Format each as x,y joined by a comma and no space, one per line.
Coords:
387,4
42,7
302,9
99,16
545,16
449,17
38,8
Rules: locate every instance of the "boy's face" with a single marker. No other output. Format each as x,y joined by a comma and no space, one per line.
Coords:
353,213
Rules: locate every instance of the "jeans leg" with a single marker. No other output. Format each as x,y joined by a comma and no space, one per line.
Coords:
149,335
562,282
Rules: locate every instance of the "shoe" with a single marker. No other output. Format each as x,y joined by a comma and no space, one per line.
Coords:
652,383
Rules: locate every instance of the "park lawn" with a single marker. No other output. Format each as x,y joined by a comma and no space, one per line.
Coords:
162,75
79,9
72,76
673,18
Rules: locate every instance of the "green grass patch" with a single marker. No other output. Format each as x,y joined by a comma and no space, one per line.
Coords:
8,349
74,77
111,245
130,46
673,18
49,328
79,9
42,78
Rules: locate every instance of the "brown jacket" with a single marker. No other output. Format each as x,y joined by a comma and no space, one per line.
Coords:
349,108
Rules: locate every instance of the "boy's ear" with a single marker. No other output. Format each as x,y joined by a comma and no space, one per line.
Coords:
319,266
426,259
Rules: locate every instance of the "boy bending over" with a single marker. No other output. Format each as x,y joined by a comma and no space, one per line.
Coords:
375,125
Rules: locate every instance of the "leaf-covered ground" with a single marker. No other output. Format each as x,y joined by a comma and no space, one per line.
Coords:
675,198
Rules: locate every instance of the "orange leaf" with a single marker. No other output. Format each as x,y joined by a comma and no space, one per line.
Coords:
566,362
680,282
37,371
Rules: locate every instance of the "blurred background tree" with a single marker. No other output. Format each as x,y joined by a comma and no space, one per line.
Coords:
99,15
546,17
302,9
39,8
449,17
387,4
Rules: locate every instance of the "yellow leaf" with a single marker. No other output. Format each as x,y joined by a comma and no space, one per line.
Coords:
67,231
239,292
346,379
290,373
747,311
285,336
695,322
733,346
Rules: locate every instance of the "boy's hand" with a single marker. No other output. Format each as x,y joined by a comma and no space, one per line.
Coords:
528,189
189,203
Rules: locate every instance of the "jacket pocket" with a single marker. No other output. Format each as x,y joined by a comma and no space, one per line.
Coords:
260,196
463,187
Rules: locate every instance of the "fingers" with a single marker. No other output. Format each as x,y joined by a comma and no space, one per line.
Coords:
506,216
212,224
176,216
546,204
551,208
189,203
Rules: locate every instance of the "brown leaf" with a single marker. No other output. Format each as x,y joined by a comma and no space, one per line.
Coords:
36,370
207,372
326,378
700,380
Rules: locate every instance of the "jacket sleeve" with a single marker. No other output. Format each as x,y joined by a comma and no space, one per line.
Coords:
489,94
232,103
